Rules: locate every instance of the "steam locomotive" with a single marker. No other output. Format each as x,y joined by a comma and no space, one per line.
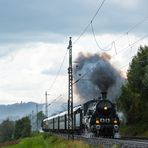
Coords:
98,117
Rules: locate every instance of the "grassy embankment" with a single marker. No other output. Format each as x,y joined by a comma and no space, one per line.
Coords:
49,141
136,130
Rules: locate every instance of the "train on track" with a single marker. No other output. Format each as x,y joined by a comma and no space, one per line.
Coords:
98,116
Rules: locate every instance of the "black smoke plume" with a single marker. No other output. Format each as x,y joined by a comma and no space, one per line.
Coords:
95,74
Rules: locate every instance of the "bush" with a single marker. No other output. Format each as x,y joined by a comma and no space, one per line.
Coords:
22,128
6,130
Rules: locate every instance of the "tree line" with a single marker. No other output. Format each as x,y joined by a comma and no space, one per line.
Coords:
12,130
133,100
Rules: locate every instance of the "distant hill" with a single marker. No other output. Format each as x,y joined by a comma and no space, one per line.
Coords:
18,110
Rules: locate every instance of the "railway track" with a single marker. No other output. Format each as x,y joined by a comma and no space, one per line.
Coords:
124,142
135,138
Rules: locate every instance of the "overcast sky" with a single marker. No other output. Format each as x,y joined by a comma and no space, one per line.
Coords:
34,36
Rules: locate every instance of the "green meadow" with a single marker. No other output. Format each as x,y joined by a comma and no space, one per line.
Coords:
43,140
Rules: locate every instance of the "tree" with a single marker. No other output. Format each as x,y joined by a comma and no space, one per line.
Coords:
22,128
41,115
6,130
133,100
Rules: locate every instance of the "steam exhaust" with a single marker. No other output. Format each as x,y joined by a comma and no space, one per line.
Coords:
100,76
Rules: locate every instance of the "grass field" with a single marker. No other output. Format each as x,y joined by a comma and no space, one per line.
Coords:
43,140
48,141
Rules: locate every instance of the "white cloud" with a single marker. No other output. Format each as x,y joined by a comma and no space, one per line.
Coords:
127,3
21,71
21,76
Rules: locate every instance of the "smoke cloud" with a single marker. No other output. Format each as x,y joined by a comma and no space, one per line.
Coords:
96,74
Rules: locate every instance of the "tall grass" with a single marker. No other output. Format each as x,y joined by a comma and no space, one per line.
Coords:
48,141
44,140
138,129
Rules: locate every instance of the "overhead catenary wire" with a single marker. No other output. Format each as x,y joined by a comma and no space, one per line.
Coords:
121,50
113,43
136,25
53,82
57,98
109,46
128,31
88,25
131,45
97,11
93,32
85,29
81,77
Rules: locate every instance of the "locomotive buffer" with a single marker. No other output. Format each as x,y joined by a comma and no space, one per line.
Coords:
70,93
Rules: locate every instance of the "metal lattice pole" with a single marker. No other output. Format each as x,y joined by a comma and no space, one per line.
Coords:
70,94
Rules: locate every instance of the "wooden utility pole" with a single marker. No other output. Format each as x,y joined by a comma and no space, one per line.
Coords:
70,94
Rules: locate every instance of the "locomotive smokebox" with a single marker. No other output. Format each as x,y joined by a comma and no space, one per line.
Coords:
104,95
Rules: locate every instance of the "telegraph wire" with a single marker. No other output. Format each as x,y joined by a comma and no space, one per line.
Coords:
87,26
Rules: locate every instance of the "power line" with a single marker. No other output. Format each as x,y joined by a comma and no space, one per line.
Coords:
81,77
85,29
121,67
140,61
58,71
87,26
109,46
129,30
93,32
97,11
131,45
136,25
57,98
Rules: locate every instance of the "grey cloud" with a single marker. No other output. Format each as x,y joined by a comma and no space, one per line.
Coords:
65,17
30,37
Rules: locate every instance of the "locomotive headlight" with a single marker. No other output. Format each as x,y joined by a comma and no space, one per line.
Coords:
97,121
115,121
108,120
102,120
105,107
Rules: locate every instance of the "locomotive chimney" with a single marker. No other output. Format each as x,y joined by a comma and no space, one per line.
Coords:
104,95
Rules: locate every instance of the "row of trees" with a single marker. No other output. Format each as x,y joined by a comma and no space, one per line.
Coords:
134,97
10,130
